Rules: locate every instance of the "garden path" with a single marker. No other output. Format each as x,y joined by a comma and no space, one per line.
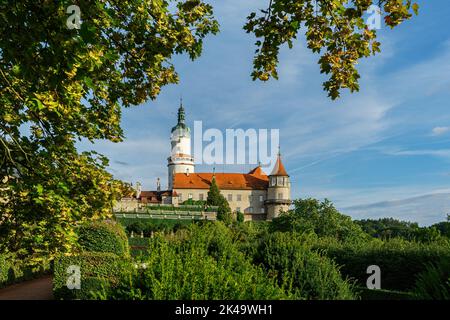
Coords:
37,289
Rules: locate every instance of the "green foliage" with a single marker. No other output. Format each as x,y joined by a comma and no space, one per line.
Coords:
215,198
308,274
240,217
443,227
13,270
152,225
70,84
335,29
192,202
400,261
97,269
103,237
387,228
197,264
434,282
320,218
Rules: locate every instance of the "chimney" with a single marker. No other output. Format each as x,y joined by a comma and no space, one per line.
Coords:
158,185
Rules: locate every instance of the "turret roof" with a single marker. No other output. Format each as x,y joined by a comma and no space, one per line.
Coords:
278,169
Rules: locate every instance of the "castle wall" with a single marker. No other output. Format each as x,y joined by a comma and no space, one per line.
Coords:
248,199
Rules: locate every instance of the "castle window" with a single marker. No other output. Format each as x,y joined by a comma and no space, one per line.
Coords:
238,209
250,210
190,196
238,197
261,198
280,181
200,196
230,197
180,197
263,210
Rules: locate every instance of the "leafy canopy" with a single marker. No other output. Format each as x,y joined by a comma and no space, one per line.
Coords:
336,29
321,218
59,85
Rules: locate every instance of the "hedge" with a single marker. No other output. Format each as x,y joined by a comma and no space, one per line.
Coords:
310,275
103,237
13,270
99,270
400,261
152,225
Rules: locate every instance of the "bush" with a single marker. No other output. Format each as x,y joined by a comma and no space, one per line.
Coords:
13,270
320,218
152,225
103,237
6,270
197,264
434,282
240,217
308,274
99,270
400,261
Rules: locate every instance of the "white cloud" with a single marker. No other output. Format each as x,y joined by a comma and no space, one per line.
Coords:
437,131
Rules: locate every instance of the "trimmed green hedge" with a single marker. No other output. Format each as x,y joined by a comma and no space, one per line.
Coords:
152,225
99,270
400,261
103,237
308,274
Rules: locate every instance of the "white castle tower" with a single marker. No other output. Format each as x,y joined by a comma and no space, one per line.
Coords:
180,160
279,190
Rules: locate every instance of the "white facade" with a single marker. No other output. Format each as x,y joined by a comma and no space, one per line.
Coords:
180,160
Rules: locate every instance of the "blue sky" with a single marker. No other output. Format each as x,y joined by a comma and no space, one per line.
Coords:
389,142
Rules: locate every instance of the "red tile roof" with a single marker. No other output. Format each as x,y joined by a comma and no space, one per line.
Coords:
278,169
153,196
256,179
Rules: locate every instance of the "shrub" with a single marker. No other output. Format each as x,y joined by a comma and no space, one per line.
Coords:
103,237
99,270
152,225
308,274
240,217
13,270
197,264
6,267
434,282
320,218
400,261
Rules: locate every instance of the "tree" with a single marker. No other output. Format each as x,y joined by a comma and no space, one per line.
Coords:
215,198
334,28
320,218
61,82
386,228
240,217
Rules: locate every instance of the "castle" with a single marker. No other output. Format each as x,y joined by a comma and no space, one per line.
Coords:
257,195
